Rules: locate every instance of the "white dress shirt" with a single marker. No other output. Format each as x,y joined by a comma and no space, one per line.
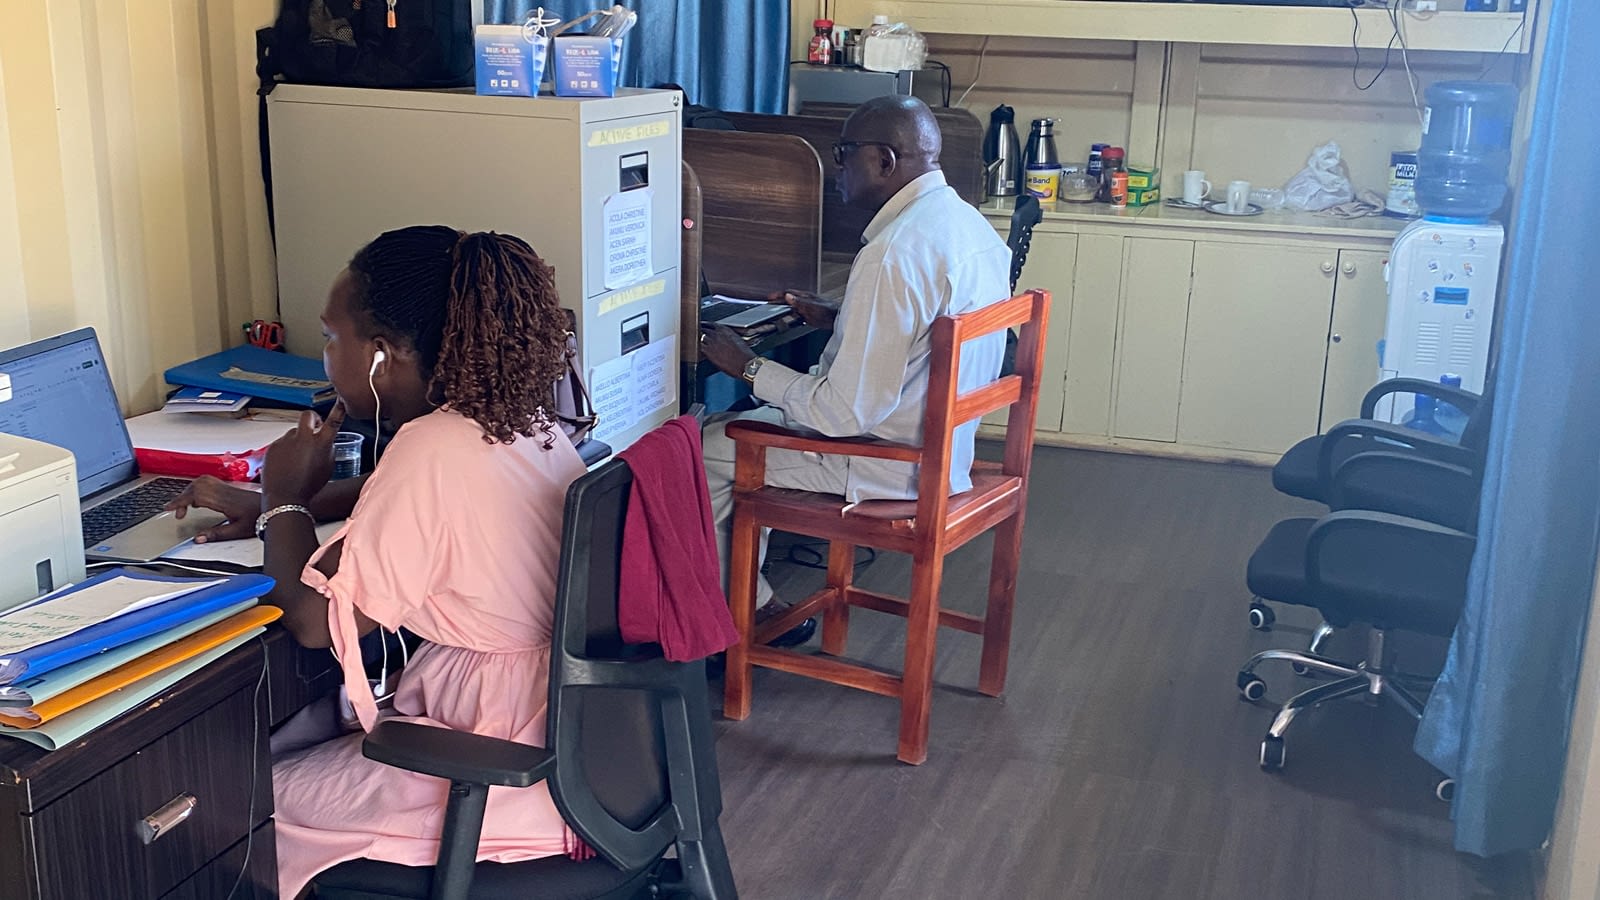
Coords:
928,253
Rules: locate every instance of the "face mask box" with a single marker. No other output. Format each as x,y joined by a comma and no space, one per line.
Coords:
586,65
509,64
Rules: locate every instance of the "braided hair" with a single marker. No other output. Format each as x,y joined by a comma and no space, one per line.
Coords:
481,311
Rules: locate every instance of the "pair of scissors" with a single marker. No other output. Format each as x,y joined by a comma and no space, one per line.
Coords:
264,334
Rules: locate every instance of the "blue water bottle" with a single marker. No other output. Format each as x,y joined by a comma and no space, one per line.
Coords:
1450,418
1424,417
1466,149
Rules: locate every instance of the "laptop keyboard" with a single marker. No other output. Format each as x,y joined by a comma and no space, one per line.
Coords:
127,510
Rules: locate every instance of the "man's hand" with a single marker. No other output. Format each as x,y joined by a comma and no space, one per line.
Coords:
238,504
301,462
818,312
725,349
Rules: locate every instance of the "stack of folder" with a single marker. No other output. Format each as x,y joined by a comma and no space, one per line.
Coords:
78,658
280,379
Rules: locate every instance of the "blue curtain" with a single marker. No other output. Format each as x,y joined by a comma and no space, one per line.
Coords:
725,54
1499,718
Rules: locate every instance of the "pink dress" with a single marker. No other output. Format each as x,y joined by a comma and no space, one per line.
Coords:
457,541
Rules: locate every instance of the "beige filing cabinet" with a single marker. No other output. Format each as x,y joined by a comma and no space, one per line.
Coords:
1174,333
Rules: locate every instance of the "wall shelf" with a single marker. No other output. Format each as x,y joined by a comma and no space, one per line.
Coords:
1204,23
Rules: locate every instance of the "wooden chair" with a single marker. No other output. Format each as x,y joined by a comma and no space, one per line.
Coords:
928,528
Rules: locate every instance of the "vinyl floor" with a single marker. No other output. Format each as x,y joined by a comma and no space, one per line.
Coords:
1120,764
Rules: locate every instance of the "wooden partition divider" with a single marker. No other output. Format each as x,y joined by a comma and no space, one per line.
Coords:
821,125
761,211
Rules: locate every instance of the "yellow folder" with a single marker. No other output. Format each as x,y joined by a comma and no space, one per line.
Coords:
143,667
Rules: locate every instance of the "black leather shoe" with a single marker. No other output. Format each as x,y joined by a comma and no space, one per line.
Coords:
795,636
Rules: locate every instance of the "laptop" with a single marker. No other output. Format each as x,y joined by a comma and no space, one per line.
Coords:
62,395
739,314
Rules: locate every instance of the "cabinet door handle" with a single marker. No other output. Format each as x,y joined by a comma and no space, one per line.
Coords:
173,813
1337,337
1327,268
1349,268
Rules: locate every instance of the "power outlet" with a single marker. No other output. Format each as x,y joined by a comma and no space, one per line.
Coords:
1426,6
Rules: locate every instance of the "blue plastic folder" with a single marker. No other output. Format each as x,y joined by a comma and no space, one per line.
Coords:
128,627
294,380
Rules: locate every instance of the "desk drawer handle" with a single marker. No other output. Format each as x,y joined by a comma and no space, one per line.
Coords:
169,816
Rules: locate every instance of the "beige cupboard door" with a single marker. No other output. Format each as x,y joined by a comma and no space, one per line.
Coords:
1149,368
1049,266
1256,346
1360,315
1092,340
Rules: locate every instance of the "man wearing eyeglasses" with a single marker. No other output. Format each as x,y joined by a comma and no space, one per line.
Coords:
926,253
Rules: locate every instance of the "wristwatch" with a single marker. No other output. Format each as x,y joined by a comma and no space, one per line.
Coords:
752,367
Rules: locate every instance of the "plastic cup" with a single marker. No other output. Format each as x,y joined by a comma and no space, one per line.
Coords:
347,454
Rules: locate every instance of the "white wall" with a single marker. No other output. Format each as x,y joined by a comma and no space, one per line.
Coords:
130,195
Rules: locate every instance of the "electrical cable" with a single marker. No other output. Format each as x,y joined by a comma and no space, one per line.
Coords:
1397,17
1355,44
255,770
817,559
1495,59
977,74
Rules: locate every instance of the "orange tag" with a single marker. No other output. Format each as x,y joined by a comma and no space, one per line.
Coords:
391,18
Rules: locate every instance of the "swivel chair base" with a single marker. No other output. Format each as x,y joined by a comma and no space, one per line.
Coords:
1373,678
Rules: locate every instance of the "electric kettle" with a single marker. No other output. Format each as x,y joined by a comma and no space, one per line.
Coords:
1002,154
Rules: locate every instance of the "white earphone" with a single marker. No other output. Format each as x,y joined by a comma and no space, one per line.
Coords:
377,357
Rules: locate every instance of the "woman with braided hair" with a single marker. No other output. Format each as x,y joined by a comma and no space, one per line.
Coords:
454,341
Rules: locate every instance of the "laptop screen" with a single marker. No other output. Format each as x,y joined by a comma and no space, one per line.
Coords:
62,395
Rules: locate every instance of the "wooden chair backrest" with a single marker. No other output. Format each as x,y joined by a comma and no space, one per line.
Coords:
761,214
947,408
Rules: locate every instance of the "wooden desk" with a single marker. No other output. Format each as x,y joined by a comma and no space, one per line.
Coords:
68,818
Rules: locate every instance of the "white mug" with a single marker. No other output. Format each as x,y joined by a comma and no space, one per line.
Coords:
1238,196
1195,186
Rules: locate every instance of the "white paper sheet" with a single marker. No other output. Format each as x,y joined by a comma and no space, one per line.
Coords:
625,235
204,434
630,387
56,616
248,553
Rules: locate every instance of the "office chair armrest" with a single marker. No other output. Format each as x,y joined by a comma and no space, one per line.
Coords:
1335,445
1407,485
1464,400
1385,555
766,434
457,755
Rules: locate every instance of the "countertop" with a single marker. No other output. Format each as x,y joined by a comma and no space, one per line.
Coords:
1163,216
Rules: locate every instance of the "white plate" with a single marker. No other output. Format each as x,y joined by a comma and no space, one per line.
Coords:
1220,207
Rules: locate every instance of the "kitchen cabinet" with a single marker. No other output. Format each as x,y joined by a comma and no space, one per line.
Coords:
1149,369
1360,315
1172,333
1256,345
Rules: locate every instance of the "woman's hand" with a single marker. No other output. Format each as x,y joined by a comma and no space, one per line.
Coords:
301,462
238,504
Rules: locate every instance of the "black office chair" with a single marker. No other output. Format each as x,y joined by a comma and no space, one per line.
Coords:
631,764
1024,217
1403,481
1388,571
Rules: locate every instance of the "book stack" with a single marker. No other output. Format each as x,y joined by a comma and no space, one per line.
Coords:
75,659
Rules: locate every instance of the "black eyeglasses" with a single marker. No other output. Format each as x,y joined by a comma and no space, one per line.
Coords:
841,149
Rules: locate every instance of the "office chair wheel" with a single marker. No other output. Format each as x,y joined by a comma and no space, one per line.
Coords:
1272,754
1445,790
1261,616
1250,687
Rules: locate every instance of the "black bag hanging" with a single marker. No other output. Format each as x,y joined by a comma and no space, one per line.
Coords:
369,43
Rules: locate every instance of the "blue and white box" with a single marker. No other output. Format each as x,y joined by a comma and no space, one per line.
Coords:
586,65
510,59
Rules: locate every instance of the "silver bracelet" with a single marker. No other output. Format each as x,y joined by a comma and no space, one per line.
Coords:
264,518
